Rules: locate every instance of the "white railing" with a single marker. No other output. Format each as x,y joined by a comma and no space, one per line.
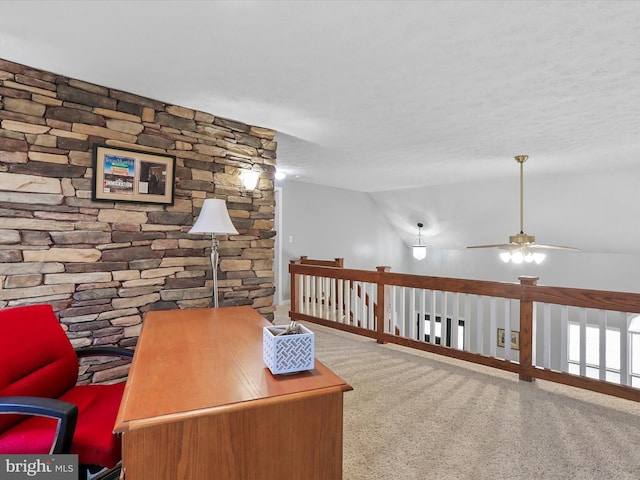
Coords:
592,343
573,336
338,300
472,323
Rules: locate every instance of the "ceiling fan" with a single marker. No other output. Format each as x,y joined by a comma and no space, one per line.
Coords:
522,247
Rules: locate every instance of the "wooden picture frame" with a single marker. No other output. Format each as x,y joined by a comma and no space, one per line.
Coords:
515,339
122,175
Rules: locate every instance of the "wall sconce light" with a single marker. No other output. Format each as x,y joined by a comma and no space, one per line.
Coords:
250,179
419,248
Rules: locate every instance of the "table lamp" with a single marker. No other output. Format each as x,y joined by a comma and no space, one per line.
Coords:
214,219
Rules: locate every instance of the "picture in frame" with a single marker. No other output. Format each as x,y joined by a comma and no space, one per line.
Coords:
121,175
515,339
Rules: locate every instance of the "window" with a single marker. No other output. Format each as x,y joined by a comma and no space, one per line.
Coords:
612,346
438,331
593,352
634,341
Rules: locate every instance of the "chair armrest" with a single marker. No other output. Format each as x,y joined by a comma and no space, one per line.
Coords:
113,473
65,412
104,352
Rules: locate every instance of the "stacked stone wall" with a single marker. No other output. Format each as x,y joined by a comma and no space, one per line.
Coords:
102,265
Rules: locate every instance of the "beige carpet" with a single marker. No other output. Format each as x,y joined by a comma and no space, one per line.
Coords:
413,415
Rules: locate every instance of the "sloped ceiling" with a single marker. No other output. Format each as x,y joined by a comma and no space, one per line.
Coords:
421,104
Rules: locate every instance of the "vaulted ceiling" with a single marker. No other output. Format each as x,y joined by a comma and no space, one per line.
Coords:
421,104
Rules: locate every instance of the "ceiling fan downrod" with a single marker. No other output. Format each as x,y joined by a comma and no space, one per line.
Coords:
522,238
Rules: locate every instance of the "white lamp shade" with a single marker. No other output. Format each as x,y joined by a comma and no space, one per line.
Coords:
419,251
213,218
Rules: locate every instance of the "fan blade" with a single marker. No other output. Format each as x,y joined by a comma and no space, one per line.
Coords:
507,246
552,247
515,246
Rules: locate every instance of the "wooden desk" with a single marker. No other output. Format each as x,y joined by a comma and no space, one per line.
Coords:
201,404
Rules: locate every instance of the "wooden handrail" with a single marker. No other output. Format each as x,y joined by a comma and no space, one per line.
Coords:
577,297
336,263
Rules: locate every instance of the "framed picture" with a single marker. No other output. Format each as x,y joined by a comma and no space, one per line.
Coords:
121,175
515,339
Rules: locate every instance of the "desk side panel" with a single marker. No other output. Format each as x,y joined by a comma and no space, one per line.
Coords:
271,441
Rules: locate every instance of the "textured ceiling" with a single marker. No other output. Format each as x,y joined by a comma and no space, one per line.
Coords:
414,102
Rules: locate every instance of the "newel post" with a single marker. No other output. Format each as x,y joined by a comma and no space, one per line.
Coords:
293,280
382,307
526,329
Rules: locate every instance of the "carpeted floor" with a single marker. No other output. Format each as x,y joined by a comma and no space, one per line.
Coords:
414,415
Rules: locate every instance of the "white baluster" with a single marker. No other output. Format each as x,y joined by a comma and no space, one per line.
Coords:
602,345
402,315
372,306
507,329
340,304
493,329
443,319
301,305
467,322
326,296
480,324
432,316
307,293
314,296
394,310
413,320
454,321
347,301
534,334
363,305
421,314
334,303
583,342
624,351
356,303
564,338
546,333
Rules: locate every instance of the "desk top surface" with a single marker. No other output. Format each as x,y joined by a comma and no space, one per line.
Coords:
196,361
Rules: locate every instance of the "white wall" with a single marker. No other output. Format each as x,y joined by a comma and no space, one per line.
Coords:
326,223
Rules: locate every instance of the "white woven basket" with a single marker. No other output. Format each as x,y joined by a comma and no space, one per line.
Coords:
287,353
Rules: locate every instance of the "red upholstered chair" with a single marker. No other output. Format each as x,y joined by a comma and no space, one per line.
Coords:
42,410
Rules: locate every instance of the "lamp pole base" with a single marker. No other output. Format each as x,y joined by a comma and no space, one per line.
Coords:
214,268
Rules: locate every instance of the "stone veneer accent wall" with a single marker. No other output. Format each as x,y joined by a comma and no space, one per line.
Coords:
103,265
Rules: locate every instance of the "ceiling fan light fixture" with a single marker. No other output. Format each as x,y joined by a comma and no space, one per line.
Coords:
522,255
538,257
518,249
517,257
